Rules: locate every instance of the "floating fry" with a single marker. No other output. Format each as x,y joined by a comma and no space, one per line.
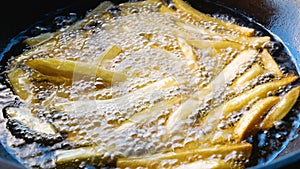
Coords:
68,69
249,122
279,111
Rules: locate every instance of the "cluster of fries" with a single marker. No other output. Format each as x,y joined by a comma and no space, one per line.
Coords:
257,94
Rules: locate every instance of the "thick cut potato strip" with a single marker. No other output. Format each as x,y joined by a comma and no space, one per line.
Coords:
206,164
218,45
255,41
20,83
252,73
142,116
183,6
187,51
68,69
260,91
270,64
110,53
37,40
25,116
204,93
154,161
249,122
83,153
279,111
147,91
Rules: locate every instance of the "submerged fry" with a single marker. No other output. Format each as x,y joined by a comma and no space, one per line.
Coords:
68,69
154,161
183,6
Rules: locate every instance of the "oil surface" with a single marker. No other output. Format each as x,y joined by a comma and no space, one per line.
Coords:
93,121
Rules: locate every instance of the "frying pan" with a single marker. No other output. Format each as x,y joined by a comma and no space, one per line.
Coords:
281,17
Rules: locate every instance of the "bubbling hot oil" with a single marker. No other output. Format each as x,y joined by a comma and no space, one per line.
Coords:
150,53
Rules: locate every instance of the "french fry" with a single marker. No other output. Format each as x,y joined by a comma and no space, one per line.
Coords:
20,83
110,53
253,41
218,45
40,39
82,153
204,93
25,116
199,16
259,91
206,164
187,51
249,122
253,72
154,161
165,9
68,69
142,116
270,64
280,110
139,94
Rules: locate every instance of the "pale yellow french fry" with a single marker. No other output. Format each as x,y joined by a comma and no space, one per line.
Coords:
140,4
110,53
270,64
204,93
259,91
83,153
145,115
37,40
20,83
202,44
25,116
254,41
68,69
147,91
199,16
187,51
165,9
249,122
154,161
280,110
249,75
206,164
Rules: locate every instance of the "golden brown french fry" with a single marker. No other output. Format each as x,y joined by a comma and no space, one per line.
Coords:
280,110
206,164
259,91
110,53
270,64
249,122
67,69
20,83
154,161
199,16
